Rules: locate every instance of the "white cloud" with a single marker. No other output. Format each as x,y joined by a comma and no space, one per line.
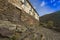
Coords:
42,4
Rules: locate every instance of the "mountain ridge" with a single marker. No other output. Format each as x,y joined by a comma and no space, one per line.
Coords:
54,17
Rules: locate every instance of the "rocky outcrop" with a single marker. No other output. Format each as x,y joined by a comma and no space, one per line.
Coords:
15,24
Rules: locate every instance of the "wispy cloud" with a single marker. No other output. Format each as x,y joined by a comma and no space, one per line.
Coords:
59,1
54,4
53,1
42,4
34,7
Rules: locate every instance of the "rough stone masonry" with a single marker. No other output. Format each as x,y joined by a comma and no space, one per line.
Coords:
15,24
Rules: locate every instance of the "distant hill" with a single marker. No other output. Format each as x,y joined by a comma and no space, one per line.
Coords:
52,19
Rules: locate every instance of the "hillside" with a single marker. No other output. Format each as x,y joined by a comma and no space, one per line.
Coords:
51,21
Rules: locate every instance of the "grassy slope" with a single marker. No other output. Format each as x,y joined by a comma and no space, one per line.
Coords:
54,17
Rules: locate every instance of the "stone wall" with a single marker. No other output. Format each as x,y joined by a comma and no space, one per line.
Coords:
9,12
26,6
16,24
30,20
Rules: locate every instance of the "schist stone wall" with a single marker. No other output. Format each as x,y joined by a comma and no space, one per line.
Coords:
26,6
9,12
16,24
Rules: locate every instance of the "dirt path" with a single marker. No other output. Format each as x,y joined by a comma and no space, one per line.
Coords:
49,34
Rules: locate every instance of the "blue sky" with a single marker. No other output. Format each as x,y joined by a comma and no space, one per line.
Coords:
46,6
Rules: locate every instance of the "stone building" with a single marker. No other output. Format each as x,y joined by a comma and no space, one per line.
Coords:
18,20
18,10
26,6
